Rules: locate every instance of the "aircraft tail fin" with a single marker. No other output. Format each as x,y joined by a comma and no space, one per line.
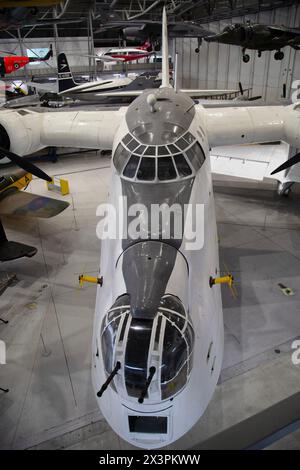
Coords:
147,46
65,76
165,52
49,53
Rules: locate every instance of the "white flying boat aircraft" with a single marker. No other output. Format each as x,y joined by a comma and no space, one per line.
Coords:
158,333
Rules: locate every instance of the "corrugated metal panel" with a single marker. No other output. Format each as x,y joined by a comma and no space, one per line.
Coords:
221,66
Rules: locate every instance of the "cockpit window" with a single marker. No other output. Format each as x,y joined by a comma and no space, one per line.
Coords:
177,347
120,157
132,145
170,162
175,354
189,138
131,167
171,302
127,139
182,144
165,343
172,149
146,170
162,150
151,151
140,150
166,169
196,156
182,165
111,324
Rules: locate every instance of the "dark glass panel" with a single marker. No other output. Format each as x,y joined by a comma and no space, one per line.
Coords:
166,169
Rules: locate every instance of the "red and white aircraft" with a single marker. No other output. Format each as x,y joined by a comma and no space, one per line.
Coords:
126,54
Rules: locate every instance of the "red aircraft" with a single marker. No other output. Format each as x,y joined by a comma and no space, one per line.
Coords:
9,64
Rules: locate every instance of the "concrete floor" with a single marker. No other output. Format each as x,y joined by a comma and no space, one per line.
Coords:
51,402
291,442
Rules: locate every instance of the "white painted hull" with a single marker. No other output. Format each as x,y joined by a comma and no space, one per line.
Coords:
205,309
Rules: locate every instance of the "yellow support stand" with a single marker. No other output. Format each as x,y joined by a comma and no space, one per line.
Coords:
21,182
62,186
91,279
229,279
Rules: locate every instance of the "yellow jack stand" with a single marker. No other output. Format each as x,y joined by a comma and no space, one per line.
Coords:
63,186
91,279
229,279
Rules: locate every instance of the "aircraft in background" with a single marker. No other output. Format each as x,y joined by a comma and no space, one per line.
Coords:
126,54
258,37
118,90
157,346
9,64
151,31
101,91
19,203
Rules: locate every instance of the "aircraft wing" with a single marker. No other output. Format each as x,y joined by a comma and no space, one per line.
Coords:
40,128
254,162
176,28
192,93
284,29
21,203
248,125
108,58
208,93
29,100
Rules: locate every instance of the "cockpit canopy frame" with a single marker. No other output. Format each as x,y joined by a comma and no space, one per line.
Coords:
165,342
146,163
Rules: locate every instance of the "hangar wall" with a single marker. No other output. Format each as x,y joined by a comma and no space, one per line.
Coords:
221,66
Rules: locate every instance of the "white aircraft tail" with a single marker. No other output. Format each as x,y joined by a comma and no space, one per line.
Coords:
165,52
65,76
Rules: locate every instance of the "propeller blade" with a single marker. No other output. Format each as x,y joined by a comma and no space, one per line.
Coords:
241,89
288,164
24,164
255,98
284,91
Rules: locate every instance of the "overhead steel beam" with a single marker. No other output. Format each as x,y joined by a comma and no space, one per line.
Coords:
144,11
22,52
213,15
